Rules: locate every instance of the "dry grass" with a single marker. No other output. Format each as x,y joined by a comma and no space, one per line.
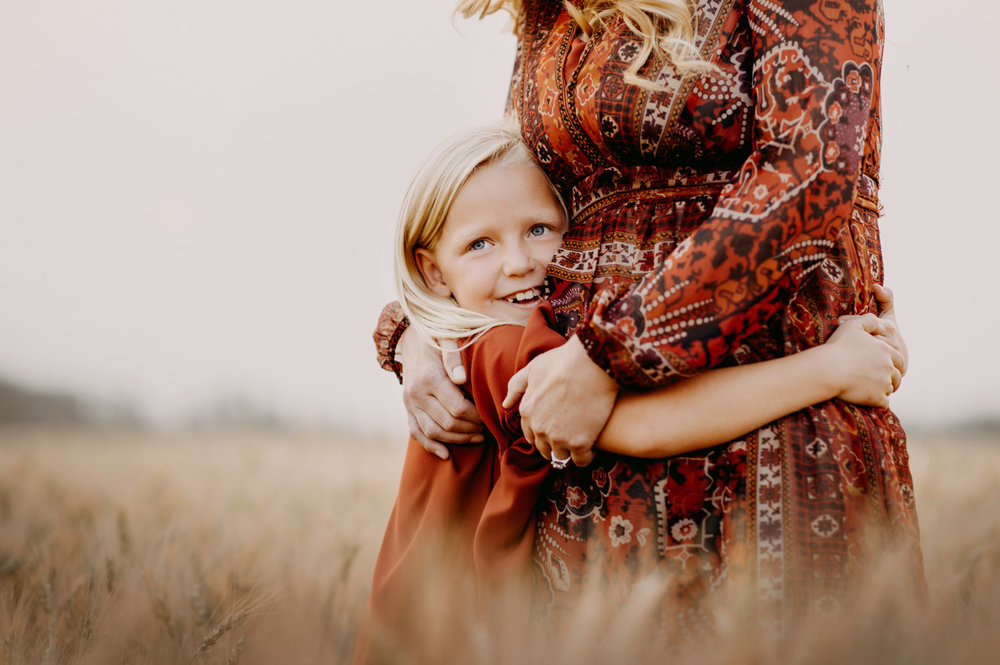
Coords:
219,549
258,549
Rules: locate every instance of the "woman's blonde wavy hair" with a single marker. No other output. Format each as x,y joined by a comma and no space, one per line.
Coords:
665,28
422,218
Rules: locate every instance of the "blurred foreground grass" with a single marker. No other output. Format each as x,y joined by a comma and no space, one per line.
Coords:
258,548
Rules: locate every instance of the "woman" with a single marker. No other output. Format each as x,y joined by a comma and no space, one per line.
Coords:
721,213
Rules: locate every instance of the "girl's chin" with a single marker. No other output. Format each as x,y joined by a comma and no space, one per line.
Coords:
517,312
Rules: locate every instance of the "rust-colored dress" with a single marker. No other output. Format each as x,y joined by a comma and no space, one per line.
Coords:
461,531
729,218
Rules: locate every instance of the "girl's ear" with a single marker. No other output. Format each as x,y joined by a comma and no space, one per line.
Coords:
431,273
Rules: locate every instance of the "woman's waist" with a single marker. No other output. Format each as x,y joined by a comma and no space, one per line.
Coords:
652,186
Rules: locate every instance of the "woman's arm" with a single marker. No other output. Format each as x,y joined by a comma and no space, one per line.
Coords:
855,365
816,70
437,411
815,88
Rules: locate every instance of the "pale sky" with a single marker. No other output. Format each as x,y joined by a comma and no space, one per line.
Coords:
197,196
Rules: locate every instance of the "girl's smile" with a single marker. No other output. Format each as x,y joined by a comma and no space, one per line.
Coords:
500,234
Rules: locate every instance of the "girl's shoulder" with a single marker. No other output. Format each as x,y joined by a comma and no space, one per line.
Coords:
497,354
493,352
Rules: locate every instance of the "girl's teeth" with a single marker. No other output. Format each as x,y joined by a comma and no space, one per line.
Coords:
525,295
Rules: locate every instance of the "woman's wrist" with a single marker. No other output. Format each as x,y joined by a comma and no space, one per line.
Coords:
827,375
603,354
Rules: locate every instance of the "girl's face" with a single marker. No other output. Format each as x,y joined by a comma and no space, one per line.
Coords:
500,234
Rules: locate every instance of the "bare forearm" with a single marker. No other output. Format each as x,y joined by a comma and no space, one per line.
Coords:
716,406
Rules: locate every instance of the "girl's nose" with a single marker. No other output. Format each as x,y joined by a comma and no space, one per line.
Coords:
517,260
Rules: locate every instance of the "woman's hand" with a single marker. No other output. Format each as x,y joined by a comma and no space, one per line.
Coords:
566,400
885,328
892,336
436,409
865,368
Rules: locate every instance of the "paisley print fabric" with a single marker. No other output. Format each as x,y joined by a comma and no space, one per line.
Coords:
727,218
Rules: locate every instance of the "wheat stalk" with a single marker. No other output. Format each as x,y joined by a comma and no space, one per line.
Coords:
234,654
243,611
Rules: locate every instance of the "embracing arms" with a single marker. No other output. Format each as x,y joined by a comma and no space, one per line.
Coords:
816,69
786,215
861,363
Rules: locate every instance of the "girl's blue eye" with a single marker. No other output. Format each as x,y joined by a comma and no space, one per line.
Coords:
538,230
478,244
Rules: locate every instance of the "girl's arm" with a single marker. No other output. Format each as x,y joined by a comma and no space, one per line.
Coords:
855,365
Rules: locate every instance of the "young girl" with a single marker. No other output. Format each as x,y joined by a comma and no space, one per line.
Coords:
476,234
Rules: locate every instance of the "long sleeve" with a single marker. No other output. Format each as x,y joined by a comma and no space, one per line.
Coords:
503,541
815,94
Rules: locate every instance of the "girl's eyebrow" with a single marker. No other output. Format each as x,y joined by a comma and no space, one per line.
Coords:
546,217
467,235
471,233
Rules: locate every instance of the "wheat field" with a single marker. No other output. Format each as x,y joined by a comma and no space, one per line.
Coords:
258,548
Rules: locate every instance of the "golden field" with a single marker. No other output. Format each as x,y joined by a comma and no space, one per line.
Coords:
258,548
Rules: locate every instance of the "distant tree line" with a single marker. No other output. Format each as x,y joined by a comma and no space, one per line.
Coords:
27,406
21,405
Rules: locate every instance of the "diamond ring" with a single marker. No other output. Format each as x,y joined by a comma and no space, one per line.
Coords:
560,463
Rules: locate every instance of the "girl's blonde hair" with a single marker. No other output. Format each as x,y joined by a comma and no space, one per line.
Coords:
665,28
422,220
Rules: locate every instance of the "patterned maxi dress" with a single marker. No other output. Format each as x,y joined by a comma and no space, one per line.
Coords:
729,218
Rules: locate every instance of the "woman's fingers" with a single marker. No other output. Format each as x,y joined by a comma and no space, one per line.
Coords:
433,447
541,444
884,327
566,403
515,388
432,429
888,316
448,431
582,455
451,359
550,447
561,459
898,360
557,452
443,413
883,295
455,411
872,324
438,410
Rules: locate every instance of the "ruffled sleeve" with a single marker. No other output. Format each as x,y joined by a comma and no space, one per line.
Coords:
392,323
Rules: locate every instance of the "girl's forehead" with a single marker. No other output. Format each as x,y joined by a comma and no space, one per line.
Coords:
508,186
498,198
